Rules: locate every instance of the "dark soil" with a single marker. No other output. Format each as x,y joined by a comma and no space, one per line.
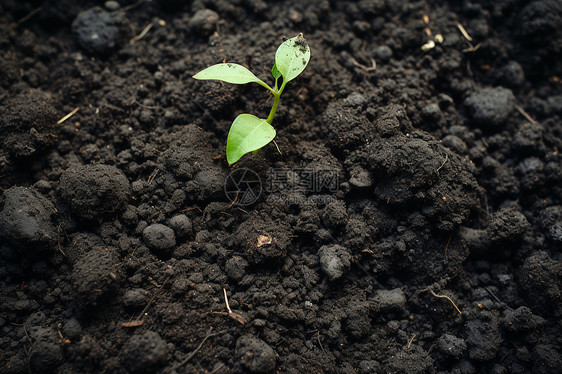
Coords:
439,250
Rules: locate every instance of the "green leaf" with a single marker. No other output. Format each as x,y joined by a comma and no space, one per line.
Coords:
291,57
276,74
230,73
247,134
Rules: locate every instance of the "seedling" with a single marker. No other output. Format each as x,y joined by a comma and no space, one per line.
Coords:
249,133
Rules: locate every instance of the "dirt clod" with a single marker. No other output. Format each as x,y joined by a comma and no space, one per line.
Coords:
144,352
98,31
159,237
255,355
490,107
95,191
26,218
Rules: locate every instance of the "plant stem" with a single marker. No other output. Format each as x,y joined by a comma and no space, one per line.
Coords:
277,96
273,108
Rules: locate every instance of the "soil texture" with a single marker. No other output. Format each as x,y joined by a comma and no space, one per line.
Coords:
407,219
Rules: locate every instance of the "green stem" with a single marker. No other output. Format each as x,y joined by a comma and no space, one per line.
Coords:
263,84
277,96
273,108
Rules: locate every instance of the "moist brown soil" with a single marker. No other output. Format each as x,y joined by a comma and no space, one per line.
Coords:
437,251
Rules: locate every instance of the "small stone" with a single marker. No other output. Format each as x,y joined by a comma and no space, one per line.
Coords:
26,218
111,5
335,260
295,16
383,53
490,106
159,237
204,21
158,76
97,30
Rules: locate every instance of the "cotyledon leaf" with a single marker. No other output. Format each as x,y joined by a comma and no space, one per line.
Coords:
248,133
291,57
230,73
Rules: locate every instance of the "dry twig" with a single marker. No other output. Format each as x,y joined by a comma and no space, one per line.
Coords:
442,297
525,114
366,68
142,34
235,316
463,32
68,115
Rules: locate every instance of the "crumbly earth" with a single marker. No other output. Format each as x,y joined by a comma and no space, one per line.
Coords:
437,247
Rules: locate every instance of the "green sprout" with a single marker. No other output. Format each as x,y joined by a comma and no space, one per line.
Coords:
249,133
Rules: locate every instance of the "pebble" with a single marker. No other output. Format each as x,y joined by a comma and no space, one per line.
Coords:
335,261
98,31
26,218
204,21
159,237
490,106
383,53
111,5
